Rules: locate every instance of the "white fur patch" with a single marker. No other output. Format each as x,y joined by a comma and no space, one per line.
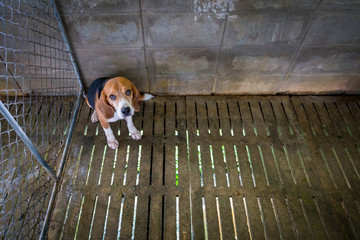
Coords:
123,103
147,96
109,134
111,140
135,134
114,118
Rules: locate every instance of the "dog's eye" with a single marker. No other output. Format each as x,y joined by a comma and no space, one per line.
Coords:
112,97
128,92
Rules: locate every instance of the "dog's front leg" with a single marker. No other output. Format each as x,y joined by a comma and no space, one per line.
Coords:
135,134
111,140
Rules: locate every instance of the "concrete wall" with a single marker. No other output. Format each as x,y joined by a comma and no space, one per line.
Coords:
219,46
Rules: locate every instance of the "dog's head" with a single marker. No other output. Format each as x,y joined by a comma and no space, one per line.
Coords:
120,95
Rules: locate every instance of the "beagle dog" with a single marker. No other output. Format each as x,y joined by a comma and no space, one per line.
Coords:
114,99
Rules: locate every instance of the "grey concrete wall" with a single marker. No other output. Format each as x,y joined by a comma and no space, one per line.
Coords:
219,46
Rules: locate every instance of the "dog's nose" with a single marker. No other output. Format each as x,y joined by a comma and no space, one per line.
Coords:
125,111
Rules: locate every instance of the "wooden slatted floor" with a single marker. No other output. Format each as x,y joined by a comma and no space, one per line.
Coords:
217,167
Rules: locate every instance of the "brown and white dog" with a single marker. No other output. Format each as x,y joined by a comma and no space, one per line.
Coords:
114,99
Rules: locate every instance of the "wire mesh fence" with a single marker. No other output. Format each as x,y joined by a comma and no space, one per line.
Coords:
39,86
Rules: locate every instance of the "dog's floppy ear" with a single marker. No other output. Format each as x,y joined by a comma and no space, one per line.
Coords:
104,107
136,98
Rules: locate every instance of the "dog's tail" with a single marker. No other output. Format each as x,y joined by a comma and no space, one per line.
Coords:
145,97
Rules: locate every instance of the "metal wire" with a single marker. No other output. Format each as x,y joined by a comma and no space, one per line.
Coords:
39,86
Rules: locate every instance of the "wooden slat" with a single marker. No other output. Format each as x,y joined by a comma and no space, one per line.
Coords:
352,153
131,172
299,223
352,213
348,117
246,172
95,168
313,118
197,216
332,227
340,179
170,169
147,149
199,116
355,111
170,118
212,220
257,166
169,217
183,164
224,118
119,171
227,226
317,228
257,115
323,114
240,218
184,216
193,150
155,218
284,219
108,168
113,218
73,215
232,165
142,215
236,120
269,218
219,165
158,147
291,117
128,215
99,218
340,218
270,118
86,217
249,127
337,119
208,172
273,170
283,123
256,226
213,117
295,163
56,223
196,196
349,168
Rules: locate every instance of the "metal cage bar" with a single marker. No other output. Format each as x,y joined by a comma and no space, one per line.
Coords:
26,140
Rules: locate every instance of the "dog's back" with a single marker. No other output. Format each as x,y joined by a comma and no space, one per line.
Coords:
95,87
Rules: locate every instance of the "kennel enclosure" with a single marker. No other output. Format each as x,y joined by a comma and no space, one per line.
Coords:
207,167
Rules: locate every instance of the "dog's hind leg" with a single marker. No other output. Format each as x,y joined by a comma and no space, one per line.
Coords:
94,117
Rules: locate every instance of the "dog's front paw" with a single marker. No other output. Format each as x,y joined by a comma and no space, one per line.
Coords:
113,144
136,135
